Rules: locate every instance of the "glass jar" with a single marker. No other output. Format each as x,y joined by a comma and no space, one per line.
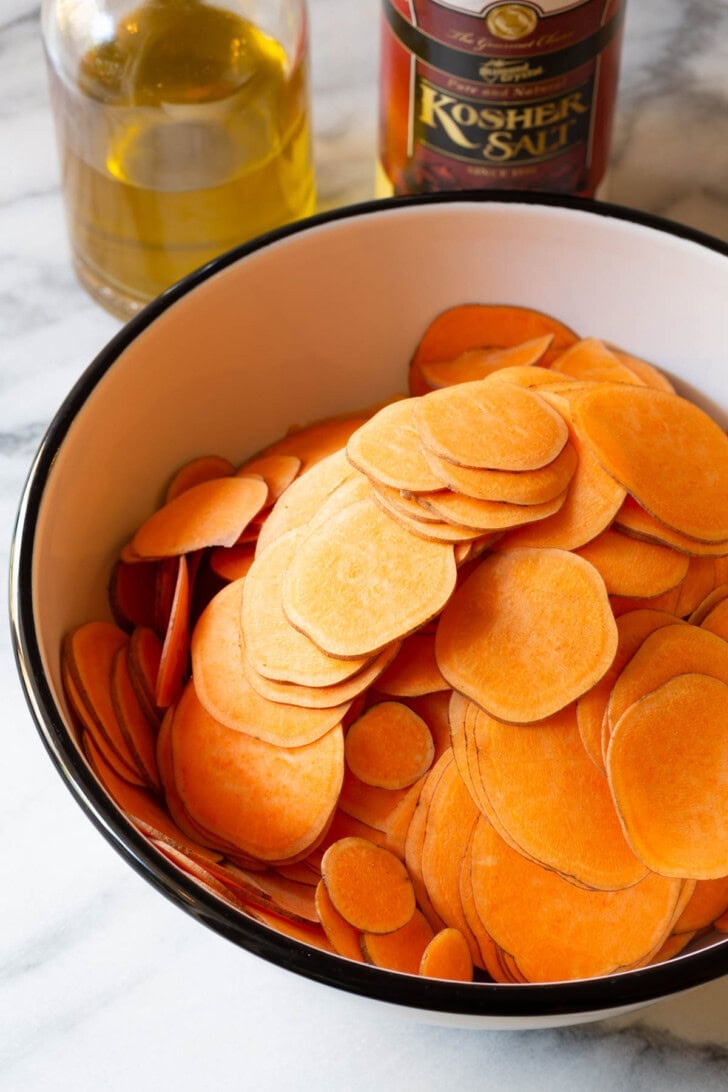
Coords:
183,129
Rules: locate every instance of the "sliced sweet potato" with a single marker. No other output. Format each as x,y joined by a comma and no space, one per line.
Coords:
553,802
401,950
515,487
414,670
632,519
305,496
447,956
669,782
527,633
203,468
223,687
173,662
368,885
389,746
590,358
277,471
478,363
344,938
132,594
316,440
387,449
271,802
667,452
487,516
576,933
630,567
708,902
139,730
232,562
213,513
490,425
367,559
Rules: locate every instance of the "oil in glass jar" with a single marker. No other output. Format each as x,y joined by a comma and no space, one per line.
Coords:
183,130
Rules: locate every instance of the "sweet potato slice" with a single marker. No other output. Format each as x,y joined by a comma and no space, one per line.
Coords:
477,325
204,468
592,501
708,901
478,363
132,594
305,496
213,513
387,449
344,938
274,647
484,515
576,933
271,802
669,782
369,804
670,650
496,426
515,487
173,661
368,560
448,956
553,802
591,708
139,730
145,656
630,567
632,519
389,746
401,950
648,373
232,562
277,471
315,441
224,690
590,358
527,633
716,620
698,582
414,670
667,452
368,885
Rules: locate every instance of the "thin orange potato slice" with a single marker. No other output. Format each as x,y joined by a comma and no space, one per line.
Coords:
271,802
368,560
478,363
213,513
389,746
145,656
591,708
667,452
632,519
697,583
344,938
277,471
231,562
204,468
489,952
670,650
497,426
708,901
478,325
315,441
137,728
319,697
633,568
590,358
670,782
132,592
414,670
387,449
305,496
447,956
648,373
401,950
575,932
513,486
713,599
274,647
592,501
716,620
369,804
368,885
484,515
553,802
224,690
451,817
87,656
175,647
527,633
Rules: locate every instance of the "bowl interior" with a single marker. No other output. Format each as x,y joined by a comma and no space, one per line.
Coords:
322,320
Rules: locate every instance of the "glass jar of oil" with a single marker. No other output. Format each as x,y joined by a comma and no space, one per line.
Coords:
183,129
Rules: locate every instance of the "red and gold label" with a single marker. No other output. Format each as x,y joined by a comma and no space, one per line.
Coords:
494,95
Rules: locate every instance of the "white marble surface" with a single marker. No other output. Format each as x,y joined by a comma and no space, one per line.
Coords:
105,985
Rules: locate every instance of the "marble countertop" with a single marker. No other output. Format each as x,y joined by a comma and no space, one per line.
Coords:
103,984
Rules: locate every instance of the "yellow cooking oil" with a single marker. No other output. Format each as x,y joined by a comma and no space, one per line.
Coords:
187,132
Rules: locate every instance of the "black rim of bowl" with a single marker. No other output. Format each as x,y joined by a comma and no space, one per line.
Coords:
486,1000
